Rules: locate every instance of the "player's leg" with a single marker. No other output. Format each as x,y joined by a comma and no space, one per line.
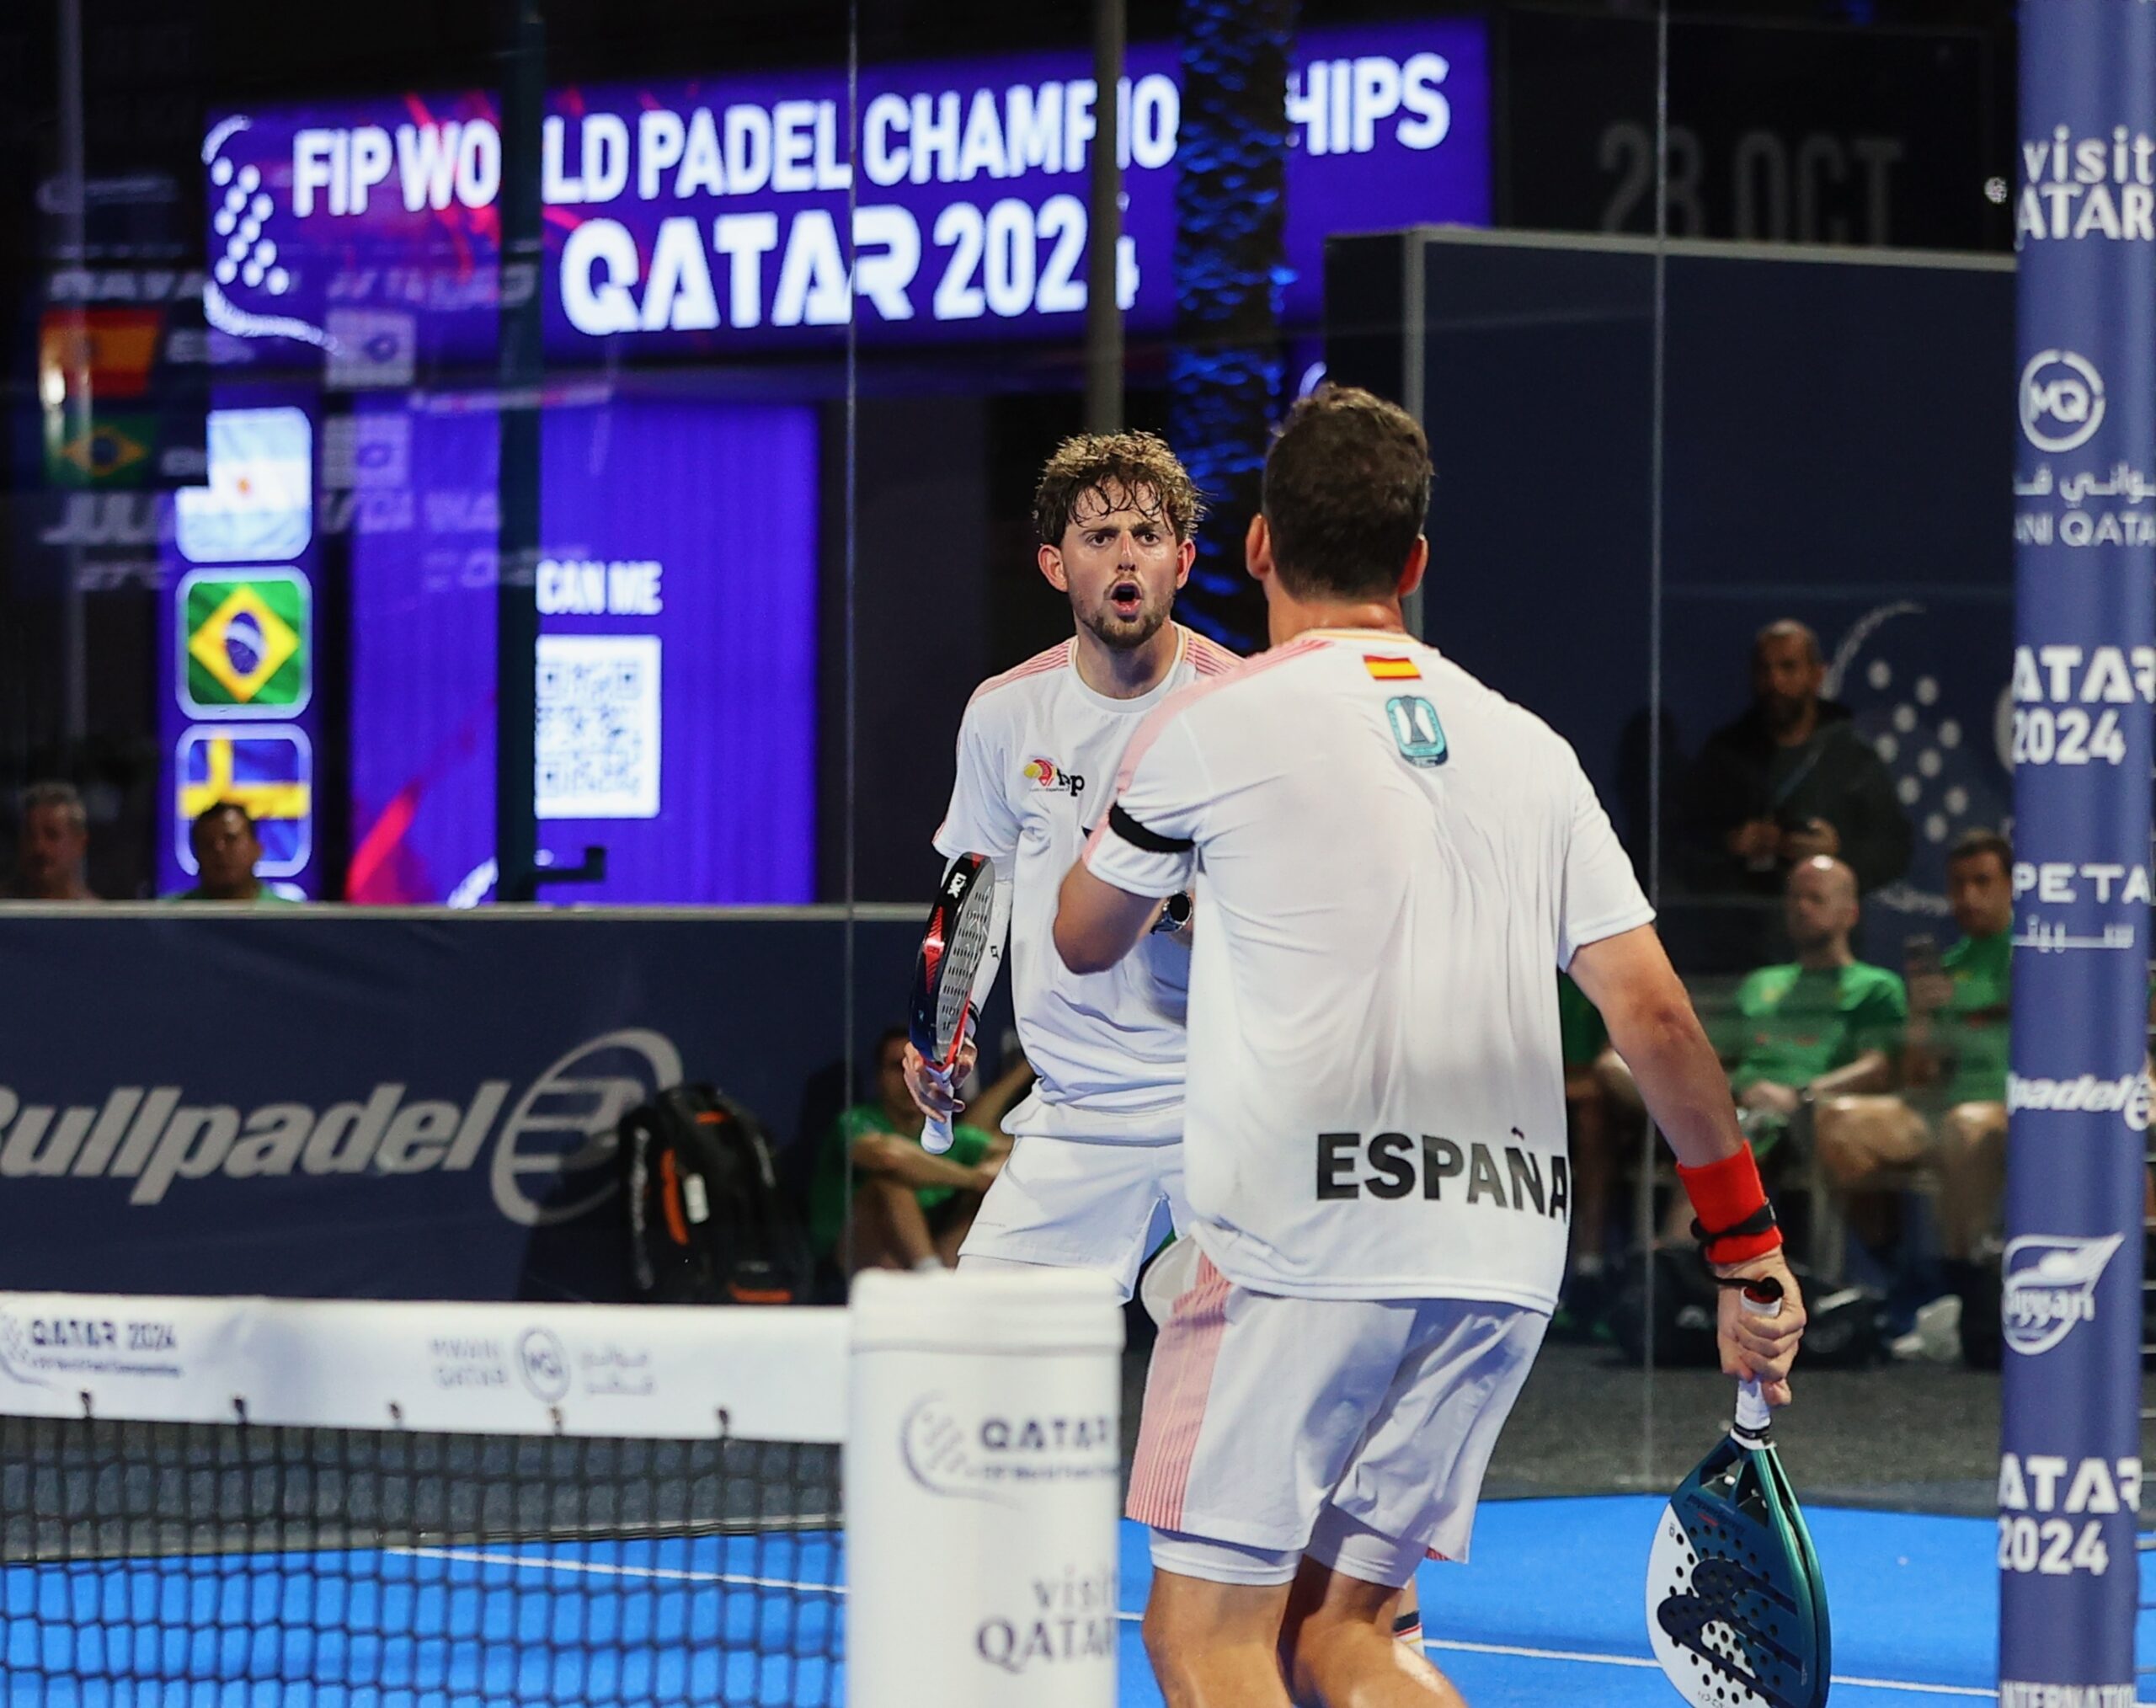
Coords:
1336,1655
1255,1405
1213,1640
1401,1618
1172,1273
1410,1490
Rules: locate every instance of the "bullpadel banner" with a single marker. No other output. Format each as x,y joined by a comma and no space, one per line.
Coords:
2085,489
366,1107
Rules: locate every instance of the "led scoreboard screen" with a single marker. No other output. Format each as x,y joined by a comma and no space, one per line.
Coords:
355,249
713,214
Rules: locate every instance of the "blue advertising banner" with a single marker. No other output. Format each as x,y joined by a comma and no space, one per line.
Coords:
2085,673
394,1106
676,714
711,215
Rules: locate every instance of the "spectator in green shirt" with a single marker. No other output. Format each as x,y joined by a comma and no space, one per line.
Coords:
1956,1058
1819,1038
1812,1043
909,1210
227,851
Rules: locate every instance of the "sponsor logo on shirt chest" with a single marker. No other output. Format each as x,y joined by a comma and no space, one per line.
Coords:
1046,776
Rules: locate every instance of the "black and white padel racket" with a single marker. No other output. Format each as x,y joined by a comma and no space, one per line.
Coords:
960,949
1737,1610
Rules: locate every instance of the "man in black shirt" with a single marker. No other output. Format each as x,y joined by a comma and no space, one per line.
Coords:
1790,781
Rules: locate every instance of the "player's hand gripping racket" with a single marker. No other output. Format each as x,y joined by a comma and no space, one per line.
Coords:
1737,1610
959,951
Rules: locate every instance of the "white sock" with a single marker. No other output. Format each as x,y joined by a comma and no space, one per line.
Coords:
929,1266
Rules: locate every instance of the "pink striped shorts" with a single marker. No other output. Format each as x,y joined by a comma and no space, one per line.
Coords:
1355,1430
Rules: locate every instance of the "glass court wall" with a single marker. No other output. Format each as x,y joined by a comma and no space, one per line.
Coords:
707,364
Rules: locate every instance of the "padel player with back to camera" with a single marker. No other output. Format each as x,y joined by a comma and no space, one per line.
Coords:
1392,862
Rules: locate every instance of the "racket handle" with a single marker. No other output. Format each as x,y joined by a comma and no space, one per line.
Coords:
1753,1415
936,1135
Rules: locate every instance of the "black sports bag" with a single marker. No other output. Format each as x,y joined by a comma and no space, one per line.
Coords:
707,1222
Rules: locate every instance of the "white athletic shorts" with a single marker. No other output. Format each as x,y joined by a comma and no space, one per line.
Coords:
1075,1203
1354,1431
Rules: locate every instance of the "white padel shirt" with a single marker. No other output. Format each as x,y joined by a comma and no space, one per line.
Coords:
1392,863
1038,752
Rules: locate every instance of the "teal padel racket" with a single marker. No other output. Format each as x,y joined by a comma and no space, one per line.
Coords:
1737,1610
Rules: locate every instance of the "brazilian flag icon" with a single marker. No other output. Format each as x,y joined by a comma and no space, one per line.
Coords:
246,643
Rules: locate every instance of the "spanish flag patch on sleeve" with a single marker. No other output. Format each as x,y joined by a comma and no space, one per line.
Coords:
1391,669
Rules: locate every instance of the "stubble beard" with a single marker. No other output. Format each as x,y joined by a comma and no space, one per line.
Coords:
1122,634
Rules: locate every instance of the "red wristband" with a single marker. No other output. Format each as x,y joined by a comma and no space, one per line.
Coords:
1727,1197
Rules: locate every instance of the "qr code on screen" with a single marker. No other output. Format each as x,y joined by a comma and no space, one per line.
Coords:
598,735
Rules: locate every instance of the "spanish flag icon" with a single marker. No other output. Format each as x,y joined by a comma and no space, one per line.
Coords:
1386,669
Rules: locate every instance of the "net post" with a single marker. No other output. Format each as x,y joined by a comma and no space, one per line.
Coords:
982,1470
2085,597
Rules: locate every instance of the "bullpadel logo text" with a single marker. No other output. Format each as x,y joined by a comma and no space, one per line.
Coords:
551,1155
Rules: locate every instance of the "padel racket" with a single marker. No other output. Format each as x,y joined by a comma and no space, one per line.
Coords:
1737,1610
959,950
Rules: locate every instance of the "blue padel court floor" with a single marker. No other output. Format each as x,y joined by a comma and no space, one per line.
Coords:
1549,1612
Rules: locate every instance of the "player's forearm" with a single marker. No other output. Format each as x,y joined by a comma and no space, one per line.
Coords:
1648,1014
1681,1080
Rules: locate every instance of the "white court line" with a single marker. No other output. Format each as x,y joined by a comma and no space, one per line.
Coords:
1595,1660
477,1557
593,1568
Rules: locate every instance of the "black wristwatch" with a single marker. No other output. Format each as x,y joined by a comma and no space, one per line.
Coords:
1175,912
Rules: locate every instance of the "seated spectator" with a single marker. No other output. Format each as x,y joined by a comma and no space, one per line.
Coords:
225,853
909,1210
1811,1044
52,844
1821,1030
1790,781
1954,1061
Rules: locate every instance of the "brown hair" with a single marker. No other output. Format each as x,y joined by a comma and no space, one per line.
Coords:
204,819
1346,491
1971,843
1150,477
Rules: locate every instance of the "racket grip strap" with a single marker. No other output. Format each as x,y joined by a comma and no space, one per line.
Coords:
1733,1221
1753,1416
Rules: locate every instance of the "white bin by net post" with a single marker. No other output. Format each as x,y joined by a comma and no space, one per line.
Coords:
982,1490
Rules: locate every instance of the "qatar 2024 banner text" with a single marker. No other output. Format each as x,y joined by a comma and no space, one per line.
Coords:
2085,667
